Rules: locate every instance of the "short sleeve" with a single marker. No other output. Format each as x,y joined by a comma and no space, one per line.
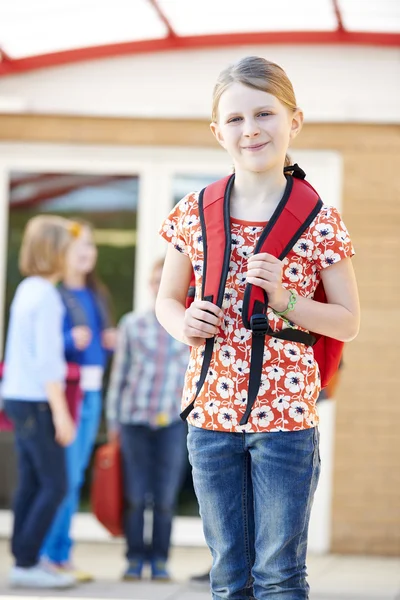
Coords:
331,239
177,227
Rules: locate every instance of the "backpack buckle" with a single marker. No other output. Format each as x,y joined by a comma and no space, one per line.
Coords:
259,324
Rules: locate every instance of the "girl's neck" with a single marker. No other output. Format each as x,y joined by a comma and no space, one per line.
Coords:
256,195
74,280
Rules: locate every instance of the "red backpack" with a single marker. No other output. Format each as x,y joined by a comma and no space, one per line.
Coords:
294,214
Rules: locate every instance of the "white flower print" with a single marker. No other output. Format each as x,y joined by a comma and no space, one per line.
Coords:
241,367
343,236
245,251
218,342
304,248
227,355
190,221
298,411
243,428
241,398
264,385
262,416
178,245
170,229
294,381
323,231
242,335
197,416
228,324
227,417
281,403
309,392
238,308
225,387
212,407
211,375
329,258
294,272
308,360
275,343
237,240
275,373
292,352
253,229
230,296
311,420
198,241
233,267
266,355
241,279
198,267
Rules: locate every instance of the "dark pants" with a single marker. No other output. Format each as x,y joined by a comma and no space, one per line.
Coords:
42,478
153,464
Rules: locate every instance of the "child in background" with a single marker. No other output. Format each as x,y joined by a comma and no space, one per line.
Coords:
255,481
34,399
88,337
143,405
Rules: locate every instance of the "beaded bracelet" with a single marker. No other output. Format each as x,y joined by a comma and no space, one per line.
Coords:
290,306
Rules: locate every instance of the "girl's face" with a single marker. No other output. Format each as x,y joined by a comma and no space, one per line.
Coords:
255,128
82,253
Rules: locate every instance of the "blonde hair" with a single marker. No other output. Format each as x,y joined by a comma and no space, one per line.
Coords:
44,244
258,73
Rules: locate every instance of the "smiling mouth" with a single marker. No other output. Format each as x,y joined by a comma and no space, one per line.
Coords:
255,147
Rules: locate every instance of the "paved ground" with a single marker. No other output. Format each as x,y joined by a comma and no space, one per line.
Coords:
331,577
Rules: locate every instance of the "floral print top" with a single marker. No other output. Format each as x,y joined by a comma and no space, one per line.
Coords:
290,381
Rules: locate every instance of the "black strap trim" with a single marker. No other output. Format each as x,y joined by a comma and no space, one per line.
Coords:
295,171
256,362
302,229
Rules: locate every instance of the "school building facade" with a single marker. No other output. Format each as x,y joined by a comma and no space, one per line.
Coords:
147,117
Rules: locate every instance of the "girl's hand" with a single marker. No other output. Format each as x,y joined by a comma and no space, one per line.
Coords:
109,338
265,271
202,320
65,428
81,336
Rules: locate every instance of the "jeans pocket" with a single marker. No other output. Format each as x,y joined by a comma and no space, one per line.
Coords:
23,416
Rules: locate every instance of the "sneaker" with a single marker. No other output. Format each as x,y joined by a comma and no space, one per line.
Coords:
39,576
201,580
134,571
77,574
159,571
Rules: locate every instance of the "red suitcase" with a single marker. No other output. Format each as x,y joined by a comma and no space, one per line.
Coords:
106,489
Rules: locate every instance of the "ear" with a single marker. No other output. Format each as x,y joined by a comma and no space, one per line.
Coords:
216,131
297,123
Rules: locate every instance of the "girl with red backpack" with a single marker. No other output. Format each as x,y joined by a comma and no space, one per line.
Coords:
253,439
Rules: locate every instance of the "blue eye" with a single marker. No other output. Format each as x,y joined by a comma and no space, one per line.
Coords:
264,114
234,120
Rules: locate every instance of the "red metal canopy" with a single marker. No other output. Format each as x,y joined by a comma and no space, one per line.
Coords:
35,34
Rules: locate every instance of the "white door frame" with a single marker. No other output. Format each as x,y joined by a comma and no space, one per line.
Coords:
156,168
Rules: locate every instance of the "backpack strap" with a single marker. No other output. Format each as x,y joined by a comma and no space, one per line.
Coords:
216,233
299,206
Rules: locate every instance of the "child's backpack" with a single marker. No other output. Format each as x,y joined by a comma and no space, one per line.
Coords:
293,215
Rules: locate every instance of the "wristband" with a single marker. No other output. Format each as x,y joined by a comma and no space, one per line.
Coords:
290,306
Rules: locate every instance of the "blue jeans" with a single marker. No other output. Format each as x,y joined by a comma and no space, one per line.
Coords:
58,544
255,492
153,464
42,477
